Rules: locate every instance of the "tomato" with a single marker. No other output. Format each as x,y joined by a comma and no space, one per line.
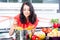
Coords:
55,25
49,30
44,30
34,37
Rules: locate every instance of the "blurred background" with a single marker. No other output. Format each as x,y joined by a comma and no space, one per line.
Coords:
45,10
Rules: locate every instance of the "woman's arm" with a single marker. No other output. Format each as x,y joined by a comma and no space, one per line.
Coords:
12,28
11,31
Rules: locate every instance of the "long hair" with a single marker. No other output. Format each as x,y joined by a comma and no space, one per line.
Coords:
32,16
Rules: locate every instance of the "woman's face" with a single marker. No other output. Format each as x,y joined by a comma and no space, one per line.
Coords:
26,10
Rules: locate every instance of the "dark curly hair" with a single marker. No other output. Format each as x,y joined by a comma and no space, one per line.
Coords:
32,16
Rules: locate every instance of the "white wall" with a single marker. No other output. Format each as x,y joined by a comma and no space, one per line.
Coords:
48,11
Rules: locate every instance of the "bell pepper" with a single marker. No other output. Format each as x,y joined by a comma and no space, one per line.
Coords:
34,37
55,25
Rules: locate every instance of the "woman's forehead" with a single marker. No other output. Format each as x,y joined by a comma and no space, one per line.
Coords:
26,6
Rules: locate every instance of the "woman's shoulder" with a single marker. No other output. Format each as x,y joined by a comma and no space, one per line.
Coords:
17,17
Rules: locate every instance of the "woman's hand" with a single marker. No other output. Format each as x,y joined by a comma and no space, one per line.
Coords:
11,30
33,31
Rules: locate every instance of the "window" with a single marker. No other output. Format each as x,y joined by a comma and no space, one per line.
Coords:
13,0
37,1
45,1
8,0
3,0
32,1
50,1
26,0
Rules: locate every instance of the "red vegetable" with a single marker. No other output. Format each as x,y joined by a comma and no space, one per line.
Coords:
55,25
34,37
44,30
49,30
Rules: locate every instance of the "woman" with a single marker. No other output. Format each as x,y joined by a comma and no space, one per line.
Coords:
26,19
